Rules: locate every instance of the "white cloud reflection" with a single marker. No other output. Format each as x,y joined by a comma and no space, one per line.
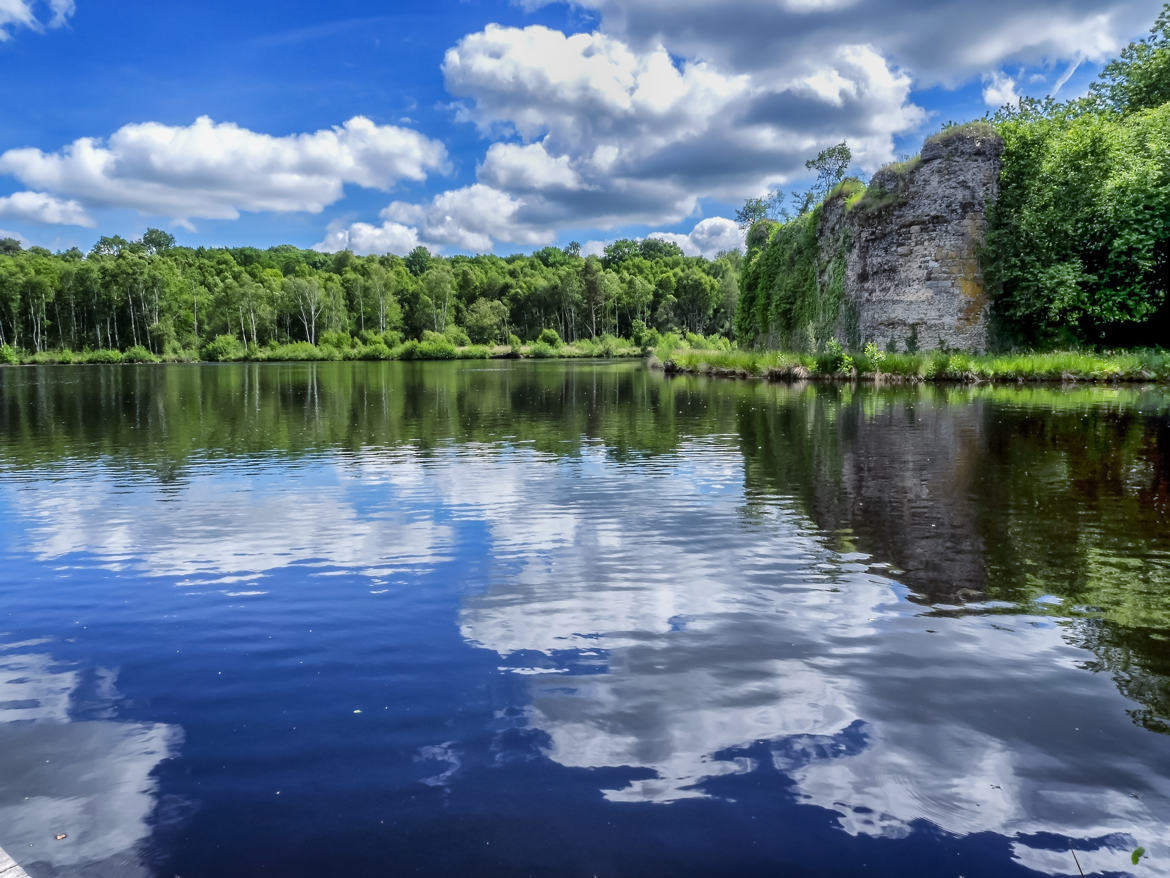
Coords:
90,780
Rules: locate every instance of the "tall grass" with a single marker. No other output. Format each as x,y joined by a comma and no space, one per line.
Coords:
1147,364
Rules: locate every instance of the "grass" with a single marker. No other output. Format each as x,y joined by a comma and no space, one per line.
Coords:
1150,365
227,349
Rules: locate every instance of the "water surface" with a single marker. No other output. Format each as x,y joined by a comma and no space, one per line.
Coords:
578,619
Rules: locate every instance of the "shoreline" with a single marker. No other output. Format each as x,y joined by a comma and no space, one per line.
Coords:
798,372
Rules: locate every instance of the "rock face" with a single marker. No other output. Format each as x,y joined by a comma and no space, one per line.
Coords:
910,248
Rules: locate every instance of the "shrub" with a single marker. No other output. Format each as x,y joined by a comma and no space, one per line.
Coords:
375,351
550,337
426,349
341,341
138,354
51,358
101,357
222,349
8,355
874,357
514,342
833,358
297,350
456,335
540,350
475,352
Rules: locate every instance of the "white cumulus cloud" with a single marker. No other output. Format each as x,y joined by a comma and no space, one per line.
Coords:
612,136
214,170
365,239
709,237
37,207
1000,89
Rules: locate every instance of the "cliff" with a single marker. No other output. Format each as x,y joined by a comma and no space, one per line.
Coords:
911,247
896,265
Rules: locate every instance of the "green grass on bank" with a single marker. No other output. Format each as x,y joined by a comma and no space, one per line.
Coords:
228,349
1131,365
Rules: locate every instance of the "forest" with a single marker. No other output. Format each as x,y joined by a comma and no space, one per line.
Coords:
150,299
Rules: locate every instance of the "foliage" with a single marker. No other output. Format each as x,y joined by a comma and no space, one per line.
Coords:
549,337
784,298
830,166
174,301
100,357
1139,365
8,355
1078,249
222,348
1140,78
429,349
768,206
138,354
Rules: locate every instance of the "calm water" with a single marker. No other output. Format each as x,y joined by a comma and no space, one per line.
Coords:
549,619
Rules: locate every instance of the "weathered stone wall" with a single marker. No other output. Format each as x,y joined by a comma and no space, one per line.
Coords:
910,248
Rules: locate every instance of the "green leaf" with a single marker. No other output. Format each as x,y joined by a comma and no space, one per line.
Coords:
1137,854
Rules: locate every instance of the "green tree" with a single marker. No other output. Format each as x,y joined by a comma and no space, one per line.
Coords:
1140,78
485,321
830,166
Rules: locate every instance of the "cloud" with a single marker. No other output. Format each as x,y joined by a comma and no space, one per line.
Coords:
37,207
581,88
599,135
1000,89
709,237
938,42
517,168
214,170
365,239
666,104
16,14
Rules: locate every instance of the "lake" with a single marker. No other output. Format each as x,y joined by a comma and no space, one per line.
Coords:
578,618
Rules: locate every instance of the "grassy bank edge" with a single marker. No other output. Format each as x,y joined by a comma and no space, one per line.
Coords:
1145,365
305,352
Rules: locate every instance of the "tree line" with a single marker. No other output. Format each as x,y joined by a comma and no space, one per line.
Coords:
170,300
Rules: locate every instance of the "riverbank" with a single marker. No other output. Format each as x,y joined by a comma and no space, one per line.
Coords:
604,347
1146,365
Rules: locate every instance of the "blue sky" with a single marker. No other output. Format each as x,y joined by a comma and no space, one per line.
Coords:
470,126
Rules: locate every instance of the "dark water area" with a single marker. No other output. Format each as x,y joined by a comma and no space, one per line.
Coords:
578,619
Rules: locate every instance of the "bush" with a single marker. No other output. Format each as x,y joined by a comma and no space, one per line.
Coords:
341,341
8,355
1077,245
514,342
475,352
296,351
456,336
873,358
138,354
100,357
833,359
375,351
426,349
222,349
51,358
540,350
550,337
